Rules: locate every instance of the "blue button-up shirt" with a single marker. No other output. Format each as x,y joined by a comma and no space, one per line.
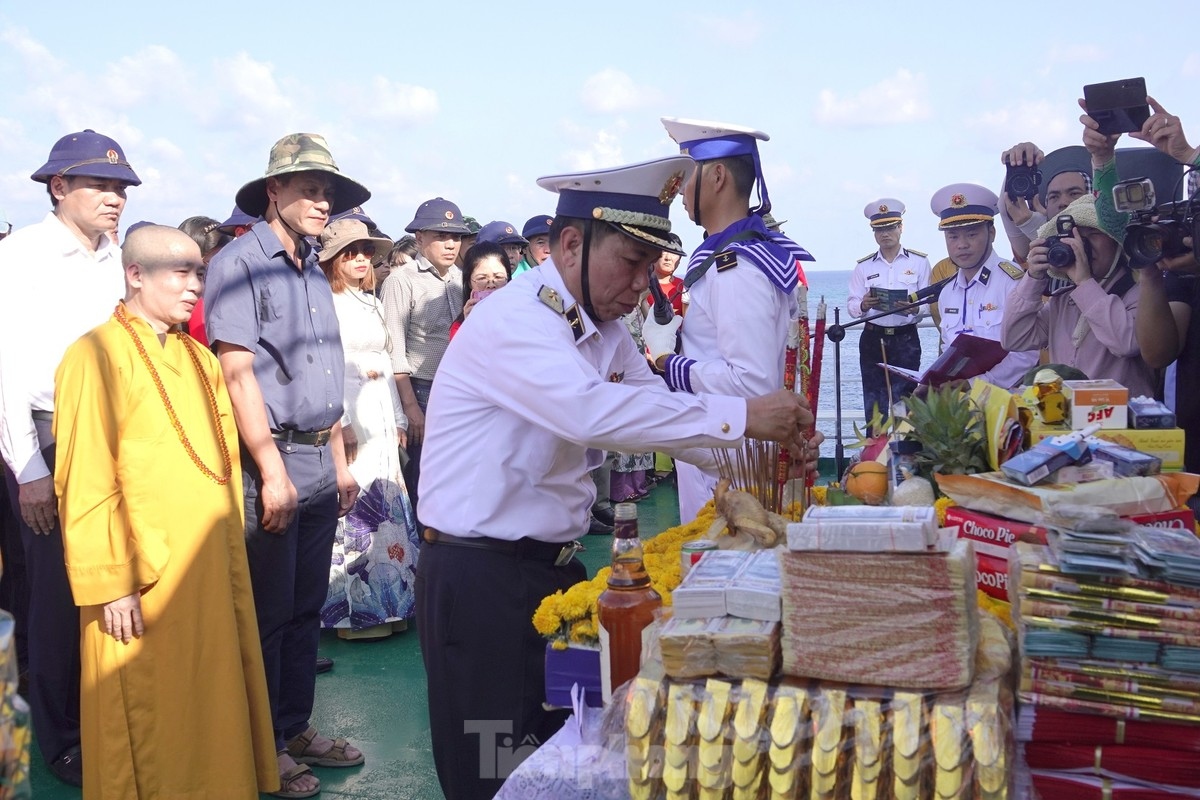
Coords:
256,298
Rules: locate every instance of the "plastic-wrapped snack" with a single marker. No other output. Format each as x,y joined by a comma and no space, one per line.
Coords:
868,779
910,747
829,748
988,724
749,745
714,769
680,742
947,727
789,752
643,732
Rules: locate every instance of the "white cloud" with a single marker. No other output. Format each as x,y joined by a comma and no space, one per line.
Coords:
1038,121
731,32
1074,54
251,97
612,91
903,97
152,73
593,148
401,102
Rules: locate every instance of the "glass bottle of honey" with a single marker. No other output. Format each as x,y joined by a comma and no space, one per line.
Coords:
627,606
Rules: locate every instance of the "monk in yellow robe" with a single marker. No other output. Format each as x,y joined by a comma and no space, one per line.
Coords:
174,698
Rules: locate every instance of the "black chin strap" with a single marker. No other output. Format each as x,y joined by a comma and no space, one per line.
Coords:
696,193
297,236
583,271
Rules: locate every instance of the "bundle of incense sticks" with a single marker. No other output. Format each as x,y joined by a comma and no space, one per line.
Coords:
1173,767
1065,786
754,469
1042,724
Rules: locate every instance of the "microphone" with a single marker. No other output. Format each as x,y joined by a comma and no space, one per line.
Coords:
931,291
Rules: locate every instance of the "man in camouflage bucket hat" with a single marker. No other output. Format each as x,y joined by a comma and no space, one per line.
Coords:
271,320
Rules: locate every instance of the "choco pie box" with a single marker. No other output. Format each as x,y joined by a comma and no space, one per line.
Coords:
992,537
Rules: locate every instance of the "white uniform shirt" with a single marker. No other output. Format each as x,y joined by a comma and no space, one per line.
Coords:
734,334
520,414
52,291
977,307
909,271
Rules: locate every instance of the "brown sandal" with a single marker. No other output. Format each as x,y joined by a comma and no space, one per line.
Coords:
335,756
289,778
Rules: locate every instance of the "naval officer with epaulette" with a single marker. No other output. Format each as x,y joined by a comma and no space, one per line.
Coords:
518,416
974,301
893,338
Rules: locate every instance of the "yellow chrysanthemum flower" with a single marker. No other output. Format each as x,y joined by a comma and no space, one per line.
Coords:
940,505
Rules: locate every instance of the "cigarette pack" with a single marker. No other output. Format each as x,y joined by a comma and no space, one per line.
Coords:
1148,413
864,529
1038,462
1125,460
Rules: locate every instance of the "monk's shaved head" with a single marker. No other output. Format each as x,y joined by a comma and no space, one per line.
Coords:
155,246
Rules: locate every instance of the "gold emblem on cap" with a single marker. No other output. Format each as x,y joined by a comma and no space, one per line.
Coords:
958,201
449,215
671,188
112,156
508,229
883,209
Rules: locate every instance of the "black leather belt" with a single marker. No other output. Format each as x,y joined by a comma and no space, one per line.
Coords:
559,554
317,438
891,331
42,416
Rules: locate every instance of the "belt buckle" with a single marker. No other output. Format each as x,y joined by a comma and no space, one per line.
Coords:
889,331
567,553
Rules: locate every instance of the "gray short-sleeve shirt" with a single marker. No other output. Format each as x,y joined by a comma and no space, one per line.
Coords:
256,298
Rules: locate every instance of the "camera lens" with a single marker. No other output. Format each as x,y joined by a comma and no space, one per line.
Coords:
1144,244
1059,255
1020,185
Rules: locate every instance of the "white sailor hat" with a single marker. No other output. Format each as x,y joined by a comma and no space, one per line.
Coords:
706,141
961,204
884,212
634,199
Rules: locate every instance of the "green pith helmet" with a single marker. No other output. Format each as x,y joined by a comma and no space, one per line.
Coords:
302,152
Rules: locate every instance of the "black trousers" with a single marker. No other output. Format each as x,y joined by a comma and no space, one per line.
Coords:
903,350
484,662
412,470
53,623
289,573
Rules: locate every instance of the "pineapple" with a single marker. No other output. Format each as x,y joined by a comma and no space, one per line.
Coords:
950,427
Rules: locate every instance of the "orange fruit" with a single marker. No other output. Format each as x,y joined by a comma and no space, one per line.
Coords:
868,481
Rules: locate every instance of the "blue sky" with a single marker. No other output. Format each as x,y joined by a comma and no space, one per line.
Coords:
474,101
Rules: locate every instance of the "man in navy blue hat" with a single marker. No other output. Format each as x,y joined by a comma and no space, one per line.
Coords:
893,338
519,416
537,233
270,319
974,301
419,304
741,282
86,177
505,235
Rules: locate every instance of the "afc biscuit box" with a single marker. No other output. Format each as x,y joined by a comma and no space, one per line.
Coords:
1105,402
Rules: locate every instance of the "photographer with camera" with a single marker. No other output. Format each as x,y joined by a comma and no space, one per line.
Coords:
1170,298
1066,176
1090,326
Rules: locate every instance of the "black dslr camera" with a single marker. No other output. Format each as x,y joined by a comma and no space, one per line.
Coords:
1059,254
1022,181
1156,231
